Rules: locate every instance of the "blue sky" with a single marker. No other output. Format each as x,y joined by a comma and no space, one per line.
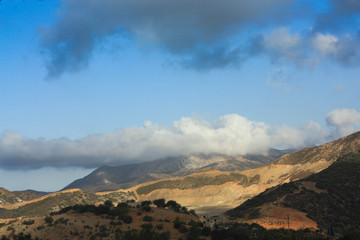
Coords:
91,83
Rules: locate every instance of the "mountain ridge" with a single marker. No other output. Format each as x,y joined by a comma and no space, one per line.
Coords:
108,178
226,194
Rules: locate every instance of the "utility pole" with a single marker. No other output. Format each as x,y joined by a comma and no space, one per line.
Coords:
330,231
288,219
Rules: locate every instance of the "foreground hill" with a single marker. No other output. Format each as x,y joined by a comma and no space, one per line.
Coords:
333,195
211,191
55,201
105,221
113,178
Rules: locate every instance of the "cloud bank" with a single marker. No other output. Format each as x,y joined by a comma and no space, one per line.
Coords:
204,34
230,134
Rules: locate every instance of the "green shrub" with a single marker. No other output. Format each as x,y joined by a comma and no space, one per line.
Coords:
108,203
147,219
177,223
29,222
183,229
147,226
123,205
127,219
159,202
48,219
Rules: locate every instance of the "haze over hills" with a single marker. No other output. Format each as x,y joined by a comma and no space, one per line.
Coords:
113,178
332,195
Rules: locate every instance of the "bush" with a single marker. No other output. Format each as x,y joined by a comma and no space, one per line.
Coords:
145,203
40,227
206,231
62,220
147,219
146,208
147,226
177,223
102,209
108,203
174,205
29,222
164,235
122,205
159,202
118,211
183,229
48,219
127,219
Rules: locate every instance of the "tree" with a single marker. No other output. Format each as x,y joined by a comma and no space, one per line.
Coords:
108,203
48,219
159,202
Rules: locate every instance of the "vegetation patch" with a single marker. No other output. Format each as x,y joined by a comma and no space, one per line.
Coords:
192,182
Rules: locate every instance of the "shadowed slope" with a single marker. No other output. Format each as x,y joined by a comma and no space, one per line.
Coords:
331,195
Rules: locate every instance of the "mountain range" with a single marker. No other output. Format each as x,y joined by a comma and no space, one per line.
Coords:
308,188
113,178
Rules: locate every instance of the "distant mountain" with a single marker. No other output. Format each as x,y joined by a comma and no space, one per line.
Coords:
332,195
121,177
8,197
214,192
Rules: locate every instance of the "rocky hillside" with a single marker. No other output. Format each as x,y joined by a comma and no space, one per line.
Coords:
121,177
211,191
333,195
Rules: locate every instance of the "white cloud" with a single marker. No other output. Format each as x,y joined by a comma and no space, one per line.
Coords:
282,44
230,134
344,121
325,43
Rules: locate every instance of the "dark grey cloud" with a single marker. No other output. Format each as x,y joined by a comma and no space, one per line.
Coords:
181,27
202,34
